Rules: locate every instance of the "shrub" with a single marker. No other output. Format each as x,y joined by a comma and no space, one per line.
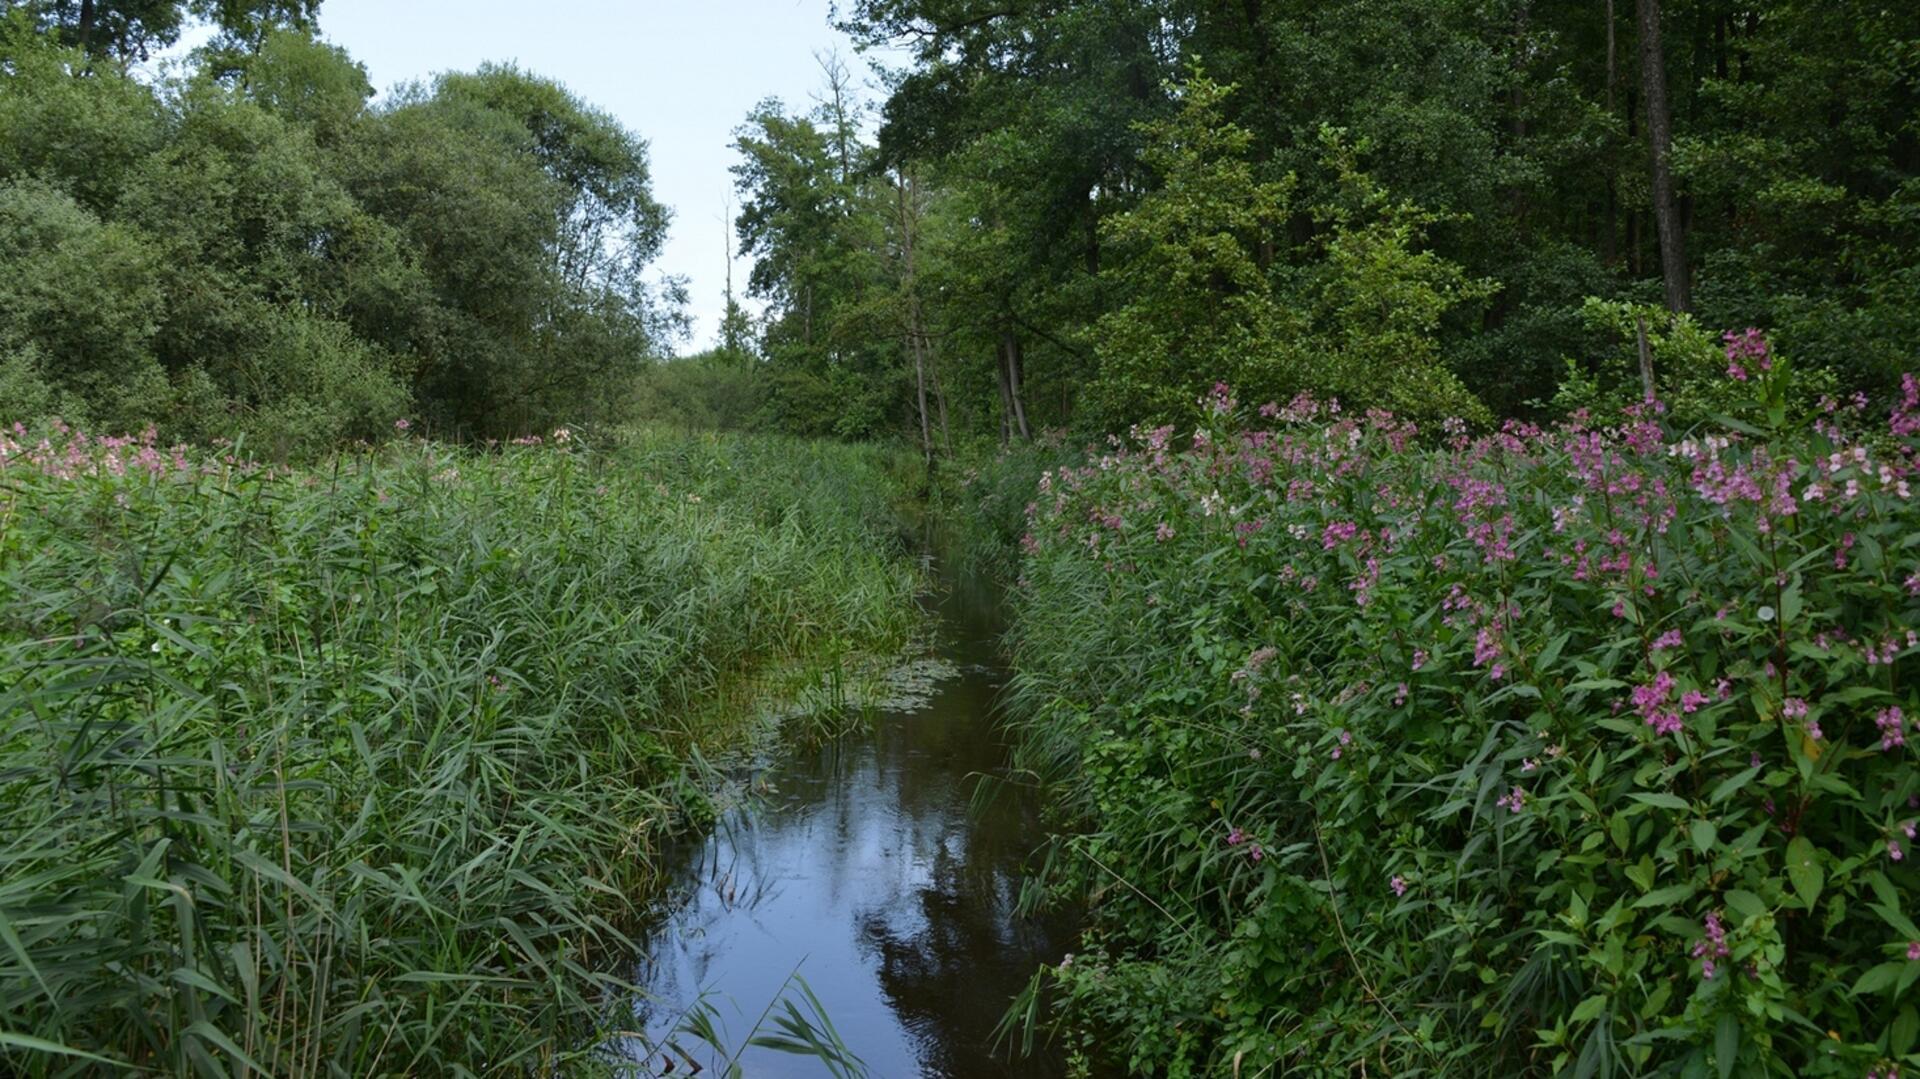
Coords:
1579,749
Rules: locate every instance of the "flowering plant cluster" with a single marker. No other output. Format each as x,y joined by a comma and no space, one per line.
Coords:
1581,748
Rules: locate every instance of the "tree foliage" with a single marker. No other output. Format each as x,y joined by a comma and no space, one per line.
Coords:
255,247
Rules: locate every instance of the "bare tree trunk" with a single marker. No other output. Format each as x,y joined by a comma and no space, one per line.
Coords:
1006,402
1608,252
1010,357
1666,213
1646,357
939,397
920,387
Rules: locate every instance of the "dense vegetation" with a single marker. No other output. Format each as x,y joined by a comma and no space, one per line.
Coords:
249,247
1080,213
363,769
1529,694
1574,749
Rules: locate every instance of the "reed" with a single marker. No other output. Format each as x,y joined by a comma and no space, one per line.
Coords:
363,768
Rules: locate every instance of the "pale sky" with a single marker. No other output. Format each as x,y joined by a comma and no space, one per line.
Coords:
680,75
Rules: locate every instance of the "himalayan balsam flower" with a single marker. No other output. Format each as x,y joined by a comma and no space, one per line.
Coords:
1893,728
1514,801
1236,837
1913,946
1669,639
1893,850
1399,886
1713,946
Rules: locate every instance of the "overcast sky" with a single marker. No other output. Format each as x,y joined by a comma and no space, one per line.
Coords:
681,75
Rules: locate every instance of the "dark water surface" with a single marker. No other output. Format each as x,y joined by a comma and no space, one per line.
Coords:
868,871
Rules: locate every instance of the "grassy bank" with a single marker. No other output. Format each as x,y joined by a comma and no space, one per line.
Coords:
361,768
1579,750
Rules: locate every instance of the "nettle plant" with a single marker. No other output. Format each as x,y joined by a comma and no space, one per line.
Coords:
1581,749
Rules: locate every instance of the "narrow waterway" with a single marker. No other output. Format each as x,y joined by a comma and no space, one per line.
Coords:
869,870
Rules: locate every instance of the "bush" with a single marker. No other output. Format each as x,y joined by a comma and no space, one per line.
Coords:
1579,749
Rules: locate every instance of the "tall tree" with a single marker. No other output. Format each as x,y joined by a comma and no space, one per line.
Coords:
1666,209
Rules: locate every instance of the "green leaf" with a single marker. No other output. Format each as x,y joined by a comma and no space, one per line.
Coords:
41,1045
1905,1026
1744,903
1703,833
1726,1044
1676,893
1731,785
1663,801
1879,977
1588,1008
1803,869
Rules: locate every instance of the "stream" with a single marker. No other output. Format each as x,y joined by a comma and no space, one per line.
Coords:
868,871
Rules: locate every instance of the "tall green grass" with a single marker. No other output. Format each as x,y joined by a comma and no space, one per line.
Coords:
362,769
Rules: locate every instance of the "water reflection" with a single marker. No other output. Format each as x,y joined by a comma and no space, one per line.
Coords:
867,873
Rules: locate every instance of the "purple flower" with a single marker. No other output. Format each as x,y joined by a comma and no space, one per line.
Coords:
1513,802
1669,639
1913,946
1713,946
1893,728
1399,886
1236,837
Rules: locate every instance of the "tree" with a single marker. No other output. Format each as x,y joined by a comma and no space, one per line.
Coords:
134,29
1666,213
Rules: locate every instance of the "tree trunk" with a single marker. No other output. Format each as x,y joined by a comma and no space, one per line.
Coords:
916,338
1646,357
1006,402
939,397
920,387
84,35
1010,360
1608,240
1666,212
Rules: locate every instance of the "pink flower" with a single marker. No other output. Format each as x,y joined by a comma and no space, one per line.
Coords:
1665,723
1163,533
1913,946
1713,946
1669,639
401,425
1514,801
1893,728
1236,837
1893,850
1399,886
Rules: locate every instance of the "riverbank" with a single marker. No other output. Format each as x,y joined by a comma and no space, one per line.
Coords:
1579,749
367,767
